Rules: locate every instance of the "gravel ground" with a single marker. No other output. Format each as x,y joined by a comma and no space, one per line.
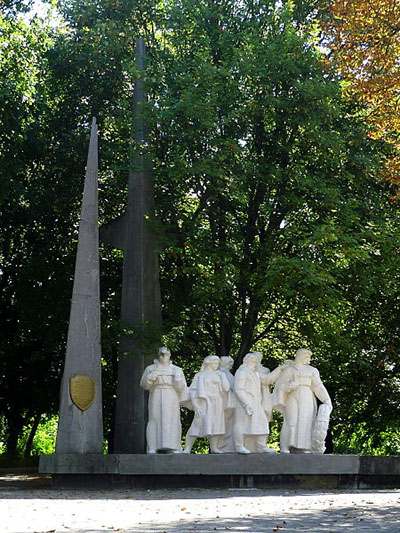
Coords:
28,504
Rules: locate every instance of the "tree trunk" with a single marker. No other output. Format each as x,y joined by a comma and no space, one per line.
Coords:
32,433
15,424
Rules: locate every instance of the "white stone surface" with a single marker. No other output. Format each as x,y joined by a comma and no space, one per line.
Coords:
320,429
209,395
251,422
267,397
234,412
225,442
167,389
297,386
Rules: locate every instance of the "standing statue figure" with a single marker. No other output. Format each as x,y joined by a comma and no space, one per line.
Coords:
266,400
167,386
251,422
225,442
208,395
297,387
265,375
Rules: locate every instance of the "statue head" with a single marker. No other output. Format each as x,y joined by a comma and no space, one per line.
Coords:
303,356
211,362
164,355
251,360
226,361
259,356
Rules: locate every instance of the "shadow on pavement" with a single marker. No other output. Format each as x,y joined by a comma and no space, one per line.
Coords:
312,521
40,485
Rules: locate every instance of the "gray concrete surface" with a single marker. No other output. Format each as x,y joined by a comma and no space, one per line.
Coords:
27,504
80,429
181,464
221,471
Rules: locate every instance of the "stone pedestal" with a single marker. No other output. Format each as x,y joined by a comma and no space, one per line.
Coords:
222,471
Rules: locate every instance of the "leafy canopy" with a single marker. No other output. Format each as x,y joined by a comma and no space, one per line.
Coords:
365,42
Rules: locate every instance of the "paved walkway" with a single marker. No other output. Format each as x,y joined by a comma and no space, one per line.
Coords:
28,504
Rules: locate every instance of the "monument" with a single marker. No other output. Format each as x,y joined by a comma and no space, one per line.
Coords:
80,428
209,398
167,388
251,422
79,461
297,388
225,442
141,301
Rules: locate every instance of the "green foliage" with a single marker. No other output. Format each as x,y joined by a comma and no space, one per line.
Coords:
359,440
33,220
276,228
13,7
44,441
258,175
273,228
275,427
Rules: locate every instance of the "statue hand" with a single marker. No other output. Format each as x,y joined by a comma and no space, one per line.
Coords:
291,386
249,410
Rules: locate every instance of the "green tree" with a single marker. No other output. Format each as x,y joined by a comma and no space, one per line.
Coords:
32,252
271,210
274,231
13,7
257,171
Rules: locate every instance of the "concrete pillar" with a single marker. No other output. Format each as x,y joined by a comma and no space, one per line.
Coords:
80,427
141,301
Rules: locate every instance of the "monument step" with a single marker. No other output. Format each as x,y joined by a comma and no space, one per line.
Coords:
224,471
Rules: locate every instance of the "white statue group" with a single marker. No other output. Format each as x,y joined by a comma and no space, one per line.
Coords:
234,412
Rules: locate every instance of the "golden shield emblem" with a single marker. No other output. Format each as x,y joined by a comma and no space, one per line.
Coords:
82,390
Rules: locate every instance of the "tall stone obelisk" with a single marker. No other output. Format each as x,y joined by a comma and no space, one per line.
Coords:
80,428
141,301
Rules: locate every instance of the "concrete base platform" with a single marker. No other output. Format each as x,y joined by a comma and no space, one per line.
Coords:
221,471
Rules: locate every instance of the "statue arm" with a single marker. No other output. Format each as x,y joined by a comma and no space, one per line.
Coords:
272,377
179,380
197,405
193,387
194,398
241,394
239,388
225,385
320,390
148,378
264,378
322,394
